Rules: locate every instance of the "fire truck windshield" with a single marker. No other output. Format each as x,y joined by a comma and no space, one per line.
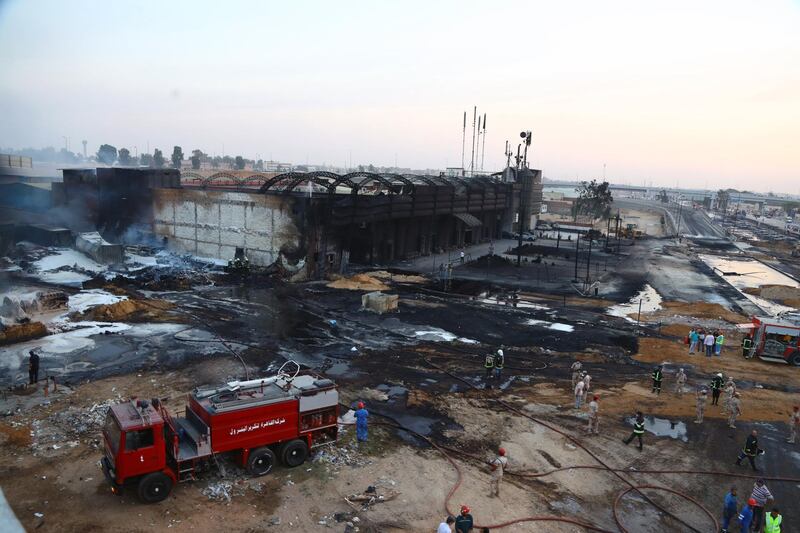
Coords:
111,431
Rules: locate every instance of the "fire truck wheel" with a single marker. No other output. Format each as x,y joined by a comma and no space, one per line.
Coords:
261,461
154,487
795,360
294,453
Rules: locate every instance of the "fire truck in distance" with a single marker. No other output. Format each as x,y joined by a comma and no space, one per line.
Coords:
257,421
774,339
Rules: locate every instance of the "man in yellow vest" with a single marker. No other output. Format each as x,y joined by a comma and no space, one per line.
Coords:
773,523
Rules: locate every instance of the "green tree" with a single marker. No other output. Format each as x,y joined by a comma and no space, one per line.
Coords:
107,154
239,162
124,157
177,157
227,161
790,207
216,161
259,165
146,160
158,158
594,199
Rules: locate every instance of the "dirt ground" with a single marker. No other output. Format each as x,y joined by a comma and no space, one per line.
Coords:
50,447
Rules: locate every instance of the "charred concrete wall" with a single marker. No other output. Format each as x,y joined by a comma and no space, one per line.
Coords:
211,223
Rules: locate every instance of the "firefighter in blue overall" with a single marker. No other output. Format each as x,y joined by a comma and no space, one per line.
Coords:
638,430
361,422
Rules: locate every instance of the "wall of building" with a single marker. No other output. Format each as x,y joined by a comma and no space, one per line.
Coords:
210,223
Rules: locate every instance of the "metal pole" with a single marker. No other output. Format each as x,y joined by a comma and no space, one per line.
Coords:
463,141
618,226
474,118
577,243
483,149
680,212
589,258
639,316
521,212
608,230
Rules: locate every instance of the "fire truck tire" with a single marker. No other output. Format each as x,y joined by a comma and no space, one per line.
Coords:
795,360
154,487
294,453
261,461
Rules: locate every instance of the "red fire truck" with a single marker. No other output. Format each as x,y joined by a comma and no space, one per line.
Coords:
774,339
257,421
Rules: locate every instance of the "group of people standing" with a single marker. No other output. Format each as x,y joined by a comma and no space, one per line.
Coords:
752,515
706,341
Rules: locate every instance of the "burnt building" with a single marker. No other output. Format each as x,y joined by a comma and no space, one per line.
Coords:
328,220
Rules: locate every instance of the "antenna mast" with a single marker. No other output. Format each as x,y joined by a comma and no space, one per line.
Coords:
472,159
483,148
463,141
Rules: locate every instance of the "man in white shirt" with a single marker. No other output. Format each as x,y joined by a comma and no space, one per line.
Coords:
498,466
579,393
444,527
709,343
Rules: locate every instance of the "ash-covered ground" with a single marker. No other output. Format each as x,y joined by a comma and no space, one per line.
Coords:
161,325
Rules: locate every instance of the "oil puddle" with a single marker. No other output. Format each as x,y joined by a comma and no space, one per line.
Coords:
661,427
648,298
392,391
749,274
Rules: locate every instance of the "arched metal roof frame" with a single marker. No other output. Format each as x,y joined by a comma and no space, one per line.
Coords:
220,175
252,178
441,180
420,179
280,177
368,178
314,177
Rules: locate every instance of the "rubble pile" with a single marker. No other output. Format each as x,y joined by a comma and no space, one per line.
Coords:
77,422
129,310
341,455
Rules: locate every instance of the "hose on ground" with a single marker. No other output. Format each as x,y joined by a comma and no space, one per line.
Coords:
578,443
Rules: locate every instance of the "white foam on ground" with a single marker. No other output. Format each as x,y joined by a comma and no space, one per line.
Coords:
650,301
440,335
92,298
67,257
558,326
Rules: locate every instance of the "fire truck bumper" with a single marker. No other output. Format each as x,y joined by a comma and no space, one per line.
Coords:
108,471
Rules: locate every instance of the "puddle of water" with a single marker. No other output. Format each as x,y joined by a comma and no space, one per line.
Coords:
648,296
748,274
661,427
558,326
521,304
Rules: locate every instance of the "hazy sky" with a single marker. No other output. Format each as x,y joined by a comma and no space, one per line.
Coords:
671,92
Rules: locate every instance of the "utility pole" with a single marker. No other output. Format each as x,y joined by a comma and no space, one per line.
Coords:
521,209
618,227
577,244
463,141
589,258
608,229
483,149
680,212
474,118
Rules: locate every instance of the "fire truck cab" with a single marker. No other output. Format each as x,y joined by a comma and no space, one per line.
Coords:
257,421
773,339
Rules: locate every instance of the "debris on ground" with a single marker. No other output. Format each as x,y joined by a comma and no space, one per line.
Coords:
358,282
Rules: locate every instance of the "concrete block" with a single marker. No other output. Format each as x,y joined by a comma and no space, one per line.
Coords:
93,245
379,302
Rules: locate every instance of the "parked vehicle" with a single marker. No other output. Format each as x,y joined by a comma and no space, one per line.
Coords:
774,339
257,421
